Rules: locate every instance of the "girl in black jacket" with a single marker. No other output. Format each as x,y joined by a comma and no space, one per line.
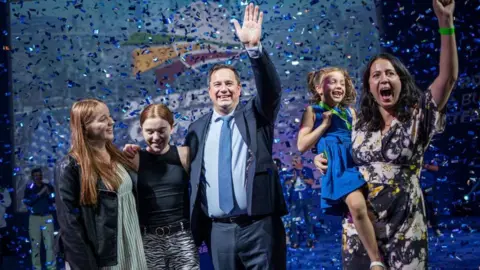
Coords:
95,187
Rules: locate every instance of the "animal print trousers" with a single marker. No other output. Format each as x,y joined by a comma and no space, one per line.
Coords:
171,252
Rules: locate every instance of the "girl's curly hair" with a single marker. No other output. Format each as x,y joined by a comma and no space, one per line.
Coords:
316,77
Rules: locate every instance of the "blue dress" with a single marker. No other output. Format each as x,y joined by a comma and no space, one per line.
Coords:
342,176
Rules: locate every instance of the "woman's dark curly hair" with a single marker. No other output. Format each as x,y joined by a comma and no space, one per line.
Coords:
369,116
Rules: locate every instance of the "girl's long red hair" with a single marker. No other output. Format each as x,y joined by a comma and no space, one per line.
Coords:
92,167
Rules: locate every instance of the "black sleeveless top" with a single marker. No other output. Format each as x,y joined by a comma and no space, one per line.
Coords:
162,189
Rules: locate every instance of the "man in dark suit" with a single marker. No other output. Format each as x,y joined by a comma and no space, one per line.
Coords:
236,196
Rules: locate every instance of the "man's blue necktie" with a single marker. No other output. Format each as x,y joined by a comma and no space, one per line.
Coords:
225,185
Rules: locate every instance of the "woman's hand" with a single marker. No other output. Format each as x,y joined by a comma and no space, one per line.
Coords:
444,11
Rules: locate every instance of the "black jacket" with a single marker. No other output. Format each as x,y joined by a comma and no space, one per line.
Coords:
255,120
88,234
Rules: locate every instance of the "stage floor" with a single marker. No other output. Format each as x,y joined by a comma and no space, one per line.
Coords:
458,248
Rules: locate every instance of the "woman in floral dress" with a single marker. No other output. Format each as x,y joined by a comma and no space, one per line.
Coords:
392,132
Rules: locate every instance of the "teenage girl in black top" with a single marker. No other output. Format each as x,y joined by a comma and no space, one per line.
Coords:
163,194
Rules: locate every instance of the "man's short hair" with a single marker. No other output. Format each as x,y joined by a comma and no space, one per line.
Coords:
223,66
36,170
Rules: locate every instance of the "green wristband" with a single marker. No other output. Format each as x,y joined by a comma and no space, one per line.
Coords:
446,31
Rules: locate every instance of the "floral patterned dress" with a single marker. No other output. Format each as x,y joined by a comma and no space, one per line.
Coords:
391,165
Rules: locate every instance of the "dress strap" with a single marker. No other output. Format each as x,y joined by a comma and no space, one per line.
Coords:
349,114
318,111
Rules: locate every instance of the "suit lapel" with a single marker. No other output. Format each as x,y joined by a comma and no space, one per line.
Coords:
202,133
246,126
240,121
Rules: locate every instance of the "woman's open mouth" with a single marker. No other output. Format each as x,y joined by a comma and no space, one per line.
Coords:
386,94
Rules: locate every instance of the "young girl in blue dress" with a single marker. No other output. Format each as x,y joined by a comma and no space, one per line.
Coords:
327,125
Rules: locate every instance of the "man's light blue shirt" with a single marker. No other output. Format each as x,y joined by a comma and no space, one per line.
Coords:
239,162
